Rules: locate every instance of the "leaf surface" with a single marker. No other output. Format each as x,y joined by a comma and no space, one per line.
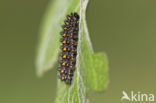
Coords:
91,68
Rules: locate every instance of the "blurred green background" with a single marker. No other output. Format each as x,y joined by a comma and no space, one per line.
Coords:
124,29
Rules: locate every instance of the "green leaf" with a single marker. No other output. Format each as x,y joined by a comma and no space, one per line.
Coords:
49,34
91,69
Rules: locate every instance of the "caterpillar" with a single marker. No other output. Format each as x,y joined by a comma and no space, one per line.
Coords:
68,48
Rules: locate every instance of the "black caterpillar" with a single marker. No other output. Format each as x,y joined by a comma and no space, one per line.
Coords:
69,42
